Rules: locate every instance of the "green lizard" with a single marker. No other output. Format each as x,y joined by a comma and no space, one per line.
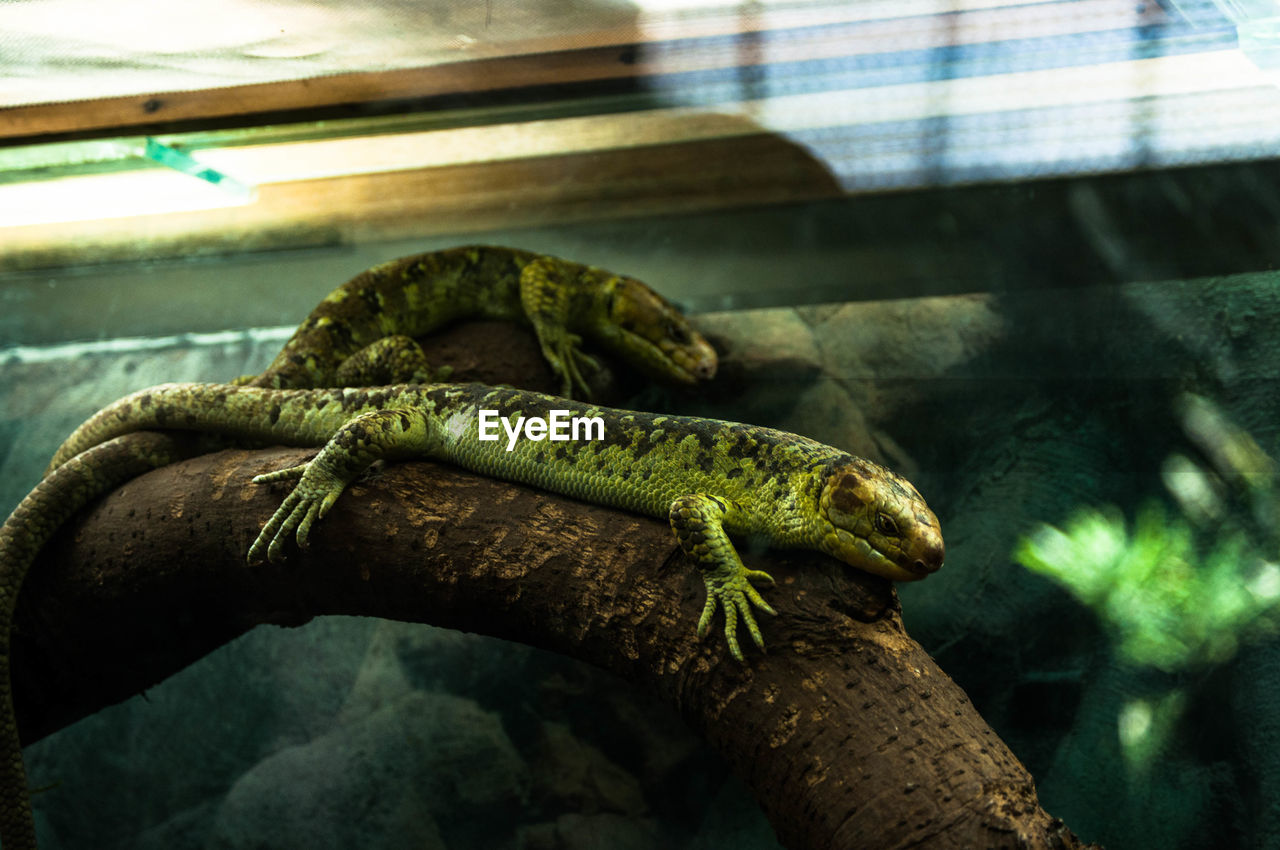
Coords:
362,334
709,478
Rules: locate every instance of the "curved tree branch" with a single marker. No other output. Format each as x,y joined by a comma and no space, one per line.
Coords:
847,732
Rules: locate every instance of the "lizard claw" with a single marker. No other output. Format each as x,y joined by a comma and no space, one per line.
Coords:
569,362
289,474
310,500
736,595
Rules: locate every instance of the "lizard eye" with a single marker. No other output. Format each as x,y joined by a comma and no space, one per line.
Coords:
886,526
677,334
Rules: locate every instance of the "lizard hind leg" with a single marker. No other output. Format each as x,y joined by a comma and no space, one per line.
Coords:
316,491
395,359
375,435
698,521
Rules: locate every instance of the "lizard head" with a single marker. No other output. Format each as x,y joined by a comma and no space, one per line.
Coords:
875,520
640,325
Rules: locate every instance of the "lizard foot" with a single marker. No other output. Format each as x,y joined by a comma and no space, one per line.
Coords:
569,361
310,500
732,590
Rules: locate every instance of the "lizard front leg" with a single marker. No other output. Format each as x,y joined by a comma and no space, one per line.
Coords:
381,434
546,297
698,521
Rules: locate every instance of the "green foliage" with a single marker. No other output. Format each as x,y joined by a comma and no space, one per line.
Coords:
1181,590
1168,600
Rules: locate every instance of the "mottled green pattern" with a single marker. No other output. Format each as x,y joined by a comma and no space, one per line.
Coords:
706,476
362,333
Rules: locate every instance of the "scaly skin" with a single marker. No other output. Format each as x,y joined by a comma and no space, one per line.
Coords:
362,335
710,478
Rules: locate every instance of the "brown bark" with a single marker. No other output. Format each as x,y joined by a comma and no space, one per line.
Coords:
846,731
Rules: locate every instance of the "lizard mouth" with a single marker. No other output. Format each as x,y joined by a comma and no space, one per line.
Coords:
687,365
858,552
918,568
690,374
925,560
697,361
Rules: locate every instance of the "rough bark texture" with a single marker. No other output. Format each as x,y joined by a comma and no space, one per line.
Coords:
847,732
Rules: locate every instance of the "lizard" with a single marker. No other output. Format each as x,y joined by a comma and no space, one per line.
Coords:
709,478
361,334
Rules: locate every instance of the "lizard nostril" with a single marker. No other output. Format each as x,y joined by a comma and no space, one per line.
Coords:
929,561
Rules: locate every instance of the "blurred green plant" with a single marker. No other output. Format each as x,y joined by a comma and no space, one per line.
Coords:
1177,590
1166,601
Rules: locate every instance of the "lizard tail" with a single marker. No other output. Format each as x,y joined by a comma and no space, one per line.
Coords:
138,411
74,484
218,408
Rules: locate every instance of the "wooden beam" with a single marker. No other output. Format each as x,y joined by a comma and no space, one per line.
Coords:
658,179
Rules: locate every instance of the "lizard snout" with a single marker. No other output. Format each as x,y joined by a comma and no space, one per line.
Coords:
928,559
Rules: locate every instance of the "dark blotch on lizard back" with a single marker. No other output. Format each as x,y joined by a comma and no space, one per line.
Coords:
369,398
369,295
273,415
743,442
706,436
342,337
626,437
